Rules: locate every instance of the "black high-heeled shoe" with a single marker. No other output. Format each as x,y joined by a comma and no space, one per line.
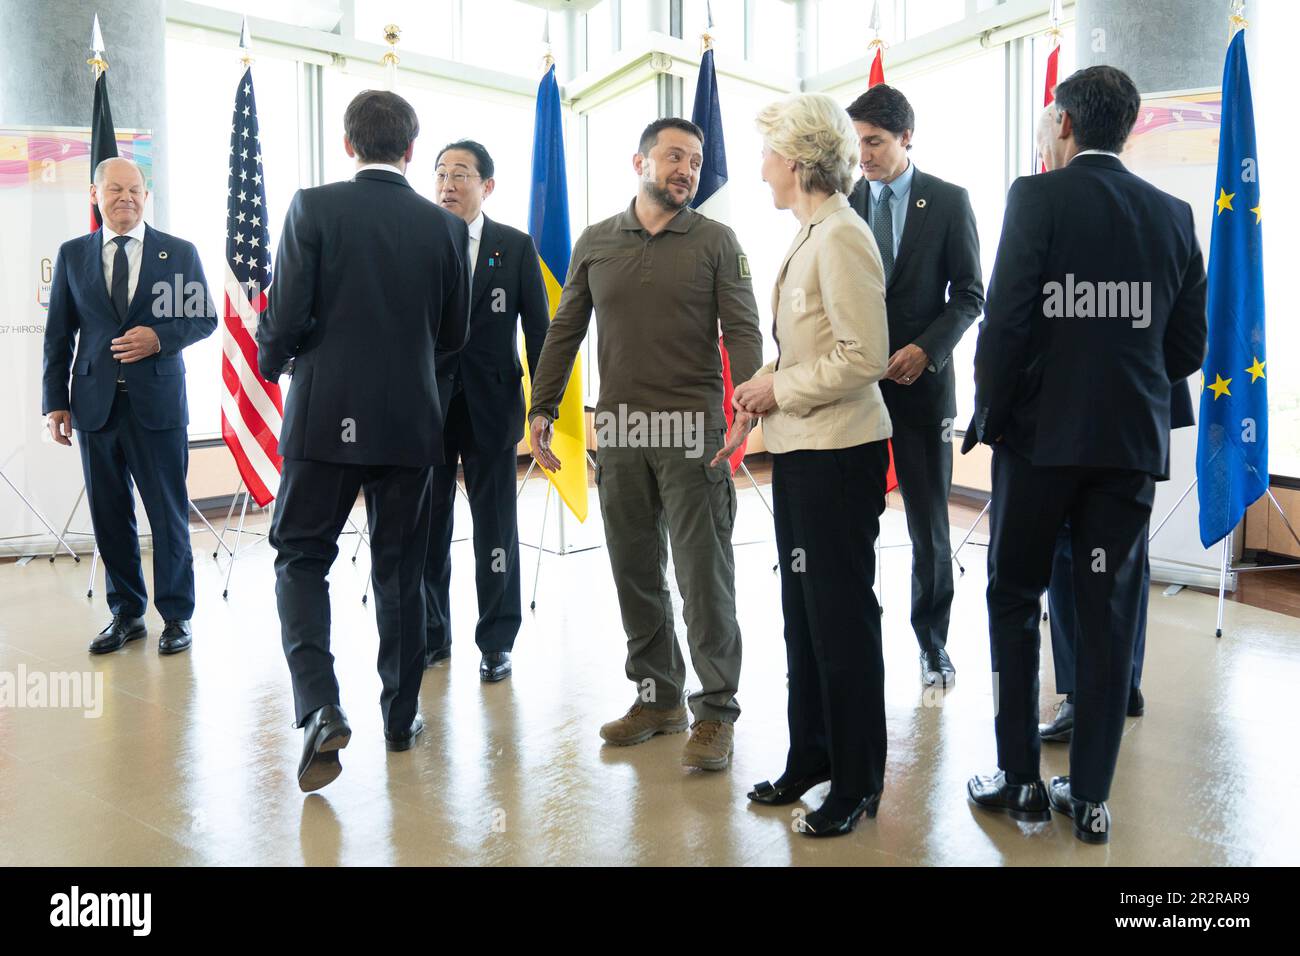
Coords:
774,796
818,824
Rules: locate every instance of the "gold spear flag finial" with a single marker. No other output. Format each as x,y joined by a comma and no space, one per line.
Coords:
392,33
706,37
1237,17
875,27
97,61
547,59
245,45
1054,31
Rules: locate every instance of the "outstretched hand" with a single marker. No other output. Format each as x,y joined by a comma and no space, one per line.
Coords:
541,431
741,426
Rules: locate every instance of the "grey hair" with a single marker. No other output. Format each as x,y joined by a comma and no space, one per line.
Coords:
814,131
101,169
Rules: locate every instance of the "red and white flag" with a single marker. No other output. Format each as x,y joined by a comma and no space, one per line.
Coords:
251,407
1053,62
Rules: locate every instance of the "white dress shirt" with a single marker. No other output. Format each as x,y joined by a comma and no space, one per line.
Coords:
384,166
475,235
134,256
1093,152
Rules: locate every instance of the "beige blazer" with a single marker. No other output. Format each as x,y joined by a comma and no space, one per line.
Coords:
830,327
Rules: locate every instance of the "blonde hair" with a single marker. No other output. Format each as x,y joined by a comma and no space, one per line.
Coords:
814,131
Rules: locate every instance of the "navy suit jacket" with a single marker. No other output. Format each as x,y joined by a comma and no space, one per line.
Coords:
81,315
1064,389
507,287
370,277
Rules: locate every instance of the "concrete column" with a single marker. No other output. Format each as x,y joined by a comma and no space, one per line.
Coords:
1162,44
44,47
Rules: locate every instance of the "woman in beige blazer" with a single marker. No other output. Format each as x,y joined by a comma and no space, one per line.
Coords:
827,428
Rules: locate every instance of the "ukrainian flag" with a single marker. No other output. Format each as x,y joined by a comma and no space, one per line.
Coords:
548,224
1232,453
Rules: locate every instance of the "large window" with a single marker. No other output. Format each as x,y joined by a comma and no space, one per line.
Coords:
201,81
765,232
427,27
504,124
966,147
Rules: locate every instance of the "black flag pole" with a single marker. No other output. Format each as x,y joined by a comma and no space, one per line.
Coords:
103,139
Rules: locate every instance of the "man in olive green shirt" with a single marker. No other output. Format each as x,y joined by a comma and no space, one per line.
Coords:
661,277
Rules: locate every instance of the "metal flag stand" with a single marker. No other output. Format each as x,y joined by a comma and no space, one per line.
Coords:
1225,559
541,539
94,558
41,518
239,533
364,538
970,531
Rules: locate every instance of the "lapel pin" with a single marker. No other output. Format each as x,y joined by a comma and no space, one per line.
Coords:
162,254
920,204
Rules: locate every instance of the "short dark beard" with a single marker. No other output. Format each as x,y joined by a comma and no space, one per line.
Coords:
664,197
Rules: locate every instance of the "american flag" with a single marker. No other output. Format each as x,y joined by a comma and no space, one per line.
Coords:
251,407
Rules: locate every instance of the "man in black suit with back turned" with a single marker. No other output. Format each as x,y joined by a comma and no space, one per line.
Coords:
925,229
371,278
1060,593
1096,305
483,414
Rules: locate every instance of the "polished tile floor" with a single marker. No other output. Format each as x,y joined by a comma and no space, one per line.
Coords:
192,760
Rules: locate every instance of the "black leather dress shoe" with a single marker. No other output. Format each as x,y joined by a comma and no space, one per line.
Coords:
324,733
936,668
1091,820
780,794
402,740
495,666
1062,726
1021,801
836,820
435,657
1137,705
176,637
121,629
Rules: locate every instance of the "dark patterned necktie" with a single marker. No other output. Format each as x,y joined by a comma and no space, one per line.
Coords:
882,227
121,278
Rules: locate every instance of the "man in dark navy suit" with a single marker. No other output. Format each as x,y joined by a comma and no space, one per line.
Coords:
370,279
934,291
483,413
1096,309
129,298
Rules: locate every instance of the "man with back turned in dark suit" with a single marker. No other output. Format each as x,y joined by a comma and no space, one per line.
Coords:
1060,593
370,279
925,229
130,298
1096,308
483,415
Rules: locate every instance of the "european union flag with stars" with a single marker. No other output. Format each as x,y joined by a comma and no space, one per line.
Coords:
1232,451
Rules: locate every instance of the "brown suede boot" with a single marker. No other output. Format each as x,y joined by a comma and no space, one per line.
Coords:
641,723
710,745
